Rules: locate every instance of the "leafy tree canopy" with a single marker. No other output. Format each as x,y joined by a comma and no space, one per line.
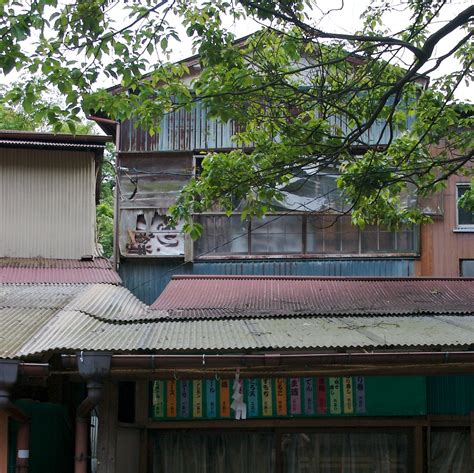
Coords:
306,99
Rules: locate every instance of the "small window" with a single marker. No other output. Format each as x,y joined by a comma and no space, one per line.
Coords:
466,267
465,217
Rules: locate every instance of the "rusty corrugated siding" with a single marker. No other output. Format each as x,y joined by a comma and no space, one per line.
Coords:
147,279
270,296
47,203
180,131
40,270
185,130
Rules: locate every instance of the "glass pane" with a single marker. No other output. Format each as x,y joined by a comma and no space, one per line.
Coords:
465,217
346,452
369,239
450,452
406,239
205,452
277,234
222,235
467,268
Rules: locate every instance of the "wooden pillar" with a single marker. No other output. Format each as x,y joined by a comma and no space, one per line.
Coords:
141,418
3,442
107,432
472,439
419,449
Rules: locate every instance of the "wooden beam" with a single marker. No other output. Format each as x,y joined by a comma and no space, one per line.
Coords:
419,449
295,423
322,370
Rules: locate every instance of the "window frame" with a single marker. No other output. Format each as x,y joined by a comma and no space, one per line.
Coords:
460,227
305,254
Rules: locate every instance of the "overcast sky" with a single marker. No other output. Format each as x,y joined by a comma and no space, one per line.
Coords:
329,17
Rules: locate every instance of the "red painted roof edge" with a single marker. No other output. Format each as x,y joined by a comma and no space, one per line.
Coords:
319,278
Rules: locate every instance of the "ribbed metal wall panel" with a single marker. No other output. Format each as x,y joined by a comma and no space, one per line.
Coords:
185,130
147,279
450,395
47,203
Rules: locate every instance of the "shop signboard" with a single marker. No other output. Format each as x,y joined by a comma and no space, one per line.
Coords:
211,399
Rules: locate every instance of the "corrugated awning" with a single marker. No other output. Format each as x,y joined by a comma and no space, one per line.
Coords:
47,271
214,297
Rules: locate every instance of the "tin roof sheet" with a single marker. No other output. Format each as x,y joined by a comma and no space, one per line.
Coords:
41,270
29,309
75,331
250,296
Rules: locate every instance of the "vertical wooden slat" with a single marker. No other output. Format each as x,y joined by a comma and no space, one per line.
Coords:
419,450
141,402
3,442
278,452
107,441
472,439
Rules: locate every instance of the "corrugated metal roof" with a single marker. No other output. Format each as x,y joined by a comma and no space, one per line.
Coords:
27,310
18,325
41,270
68,318
147,279
246,296
50,144
76,331
22,136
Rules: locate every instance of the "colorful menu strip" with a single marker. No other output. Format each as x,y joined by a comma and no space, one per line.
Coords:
360,395
252,398
267,402
258,397
322,396
281,397
171,398
335,395
225,398
211,398
295,396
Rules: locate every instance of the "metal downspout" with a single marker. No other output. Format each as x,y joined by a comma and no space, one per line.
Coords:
93,367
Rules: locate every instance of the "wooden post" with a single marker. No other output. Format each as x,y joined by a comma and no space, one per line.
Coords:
107,440
141,418
3,442
472,439
419,450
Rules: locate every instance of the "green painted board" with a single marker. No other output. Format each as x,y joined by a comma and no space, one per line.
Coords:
289,397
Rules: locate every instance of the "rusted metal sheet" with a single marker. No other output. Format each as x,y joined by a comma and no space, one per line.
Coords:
40,270
185,130
147,279
269,296
47,203
182,130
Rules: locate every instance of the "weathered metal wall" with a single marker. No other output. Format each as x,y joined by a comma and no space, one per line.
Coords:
194,130
47,203
450,395
442,247
147,279
180,131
